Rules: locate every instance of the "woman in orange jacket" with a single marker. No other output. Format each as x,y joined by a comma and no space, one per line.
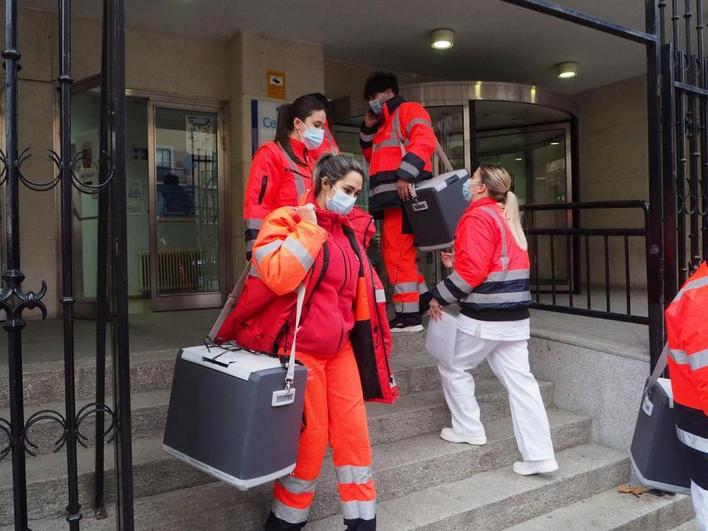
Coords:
281,170
343,340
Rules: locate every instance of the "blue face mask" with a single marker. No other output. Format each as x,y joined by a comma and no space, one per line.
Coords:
376,106
313,137
466,192
340,203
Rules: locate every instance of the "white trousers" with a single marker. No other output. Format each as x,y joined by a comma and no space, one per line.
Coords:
510,362
700,505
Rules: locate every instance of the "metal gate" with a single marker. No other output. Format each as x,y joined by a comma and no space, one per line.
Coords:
112,423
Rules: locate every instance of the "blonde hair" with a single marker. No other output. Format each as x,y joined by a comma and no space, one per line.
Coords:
498,182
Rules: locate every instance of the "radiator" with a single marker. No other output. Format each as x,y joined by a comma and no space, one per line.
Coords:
178,270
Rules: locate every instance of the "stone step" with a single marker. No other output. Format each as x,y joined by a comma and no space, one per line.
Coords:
152,370
496,499
400,468
691,525
612,510
413,414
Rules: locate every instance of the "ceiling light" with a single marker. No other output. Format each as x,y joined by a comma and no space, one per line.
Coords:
567,70
518,158
555,143
442,39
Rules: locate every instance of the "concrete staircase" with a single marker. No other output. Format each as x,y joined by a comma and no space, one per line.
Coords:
422,481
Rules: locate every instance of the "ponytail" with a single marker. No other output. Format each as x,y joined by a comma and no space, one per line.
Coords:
301,108
498,182
513,218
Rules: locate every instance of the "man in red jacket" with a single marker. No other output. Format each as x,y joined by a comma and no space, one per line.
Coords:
398,141
688,369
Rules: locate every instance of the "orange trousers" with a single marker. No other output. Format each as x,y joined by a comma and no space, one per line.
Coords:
399,258
334,414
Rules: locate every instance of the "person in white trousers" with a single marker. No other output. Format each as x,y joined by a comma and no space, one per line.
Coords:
490,282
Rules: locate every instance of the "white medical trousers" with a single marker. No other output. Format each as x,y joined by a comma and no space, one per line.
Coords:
510,362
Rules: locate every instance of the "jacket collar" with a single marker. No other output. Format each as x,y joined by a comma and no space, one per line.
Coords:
328,220
391,105
482,202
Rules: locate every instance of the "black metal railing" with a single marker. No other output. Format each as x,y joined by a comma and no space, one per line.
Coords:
564,272
112,244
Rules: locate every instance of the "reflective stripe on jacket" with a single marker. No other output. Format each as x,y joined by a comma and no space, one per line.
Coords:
400,147
490,279
274,181
688,360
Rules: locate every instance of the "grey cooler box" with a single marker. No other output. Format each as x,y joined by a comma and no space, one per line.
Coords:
658,458
434,213
230,416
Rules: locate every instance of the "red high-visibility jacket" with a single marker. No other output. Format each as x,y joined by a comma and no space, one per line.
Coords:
688,360
344,298
275,180
490,279
401,146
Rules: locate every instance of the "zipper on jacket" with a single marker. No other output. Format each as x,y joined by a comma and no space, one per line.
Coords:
264,186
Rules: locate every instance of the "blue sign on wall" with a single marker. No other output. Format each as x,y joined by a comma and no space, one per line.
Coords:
264,120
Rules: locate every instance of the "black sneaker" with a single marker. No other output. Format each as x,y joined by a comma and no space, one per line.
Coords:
406,322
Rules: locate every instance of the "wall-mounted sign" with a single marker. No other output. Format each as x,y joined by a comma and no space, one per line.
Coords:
264,120
276,84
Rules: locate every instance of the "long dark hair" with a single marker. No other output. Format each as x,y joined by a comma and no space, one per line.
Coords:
301,108
334,167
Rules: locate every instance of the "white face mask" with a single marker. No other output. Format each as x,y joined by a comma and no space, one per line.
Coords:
340,203
312,137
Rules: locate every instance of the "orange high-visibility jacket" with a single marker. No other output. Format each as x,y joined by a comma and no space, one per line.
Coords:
275,180
401,146
344,299
687,335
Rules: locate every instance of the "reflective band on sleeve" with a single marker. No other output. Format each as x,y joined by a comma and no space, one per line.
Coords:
253,224
389,142
364,510
696,361
297,485
253,271
445,293
406,287
354,474
409,168
498,298
383,188
692,440
380,295
502,227
422,287
289,514
299,251
416,121
367,137
459,282
266,249
500,276
694,284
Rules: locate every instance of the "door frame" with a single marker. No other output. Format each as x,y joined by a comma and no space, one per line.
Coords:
186,301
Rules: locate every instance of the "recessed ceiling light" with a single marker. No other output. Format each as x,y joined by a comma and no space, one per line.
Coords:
442,39
519,158
567,70
555,143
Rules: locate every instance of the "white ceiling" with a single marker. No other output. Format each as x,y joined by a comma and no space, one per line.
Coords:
494,40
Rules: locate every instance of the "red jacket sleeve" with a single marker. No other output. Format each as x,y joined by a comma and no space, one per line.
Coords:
366,140
476,243
416,127
260,191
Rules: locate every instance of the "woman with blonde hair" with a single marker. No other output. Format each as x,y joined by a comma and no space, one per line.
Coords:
490,282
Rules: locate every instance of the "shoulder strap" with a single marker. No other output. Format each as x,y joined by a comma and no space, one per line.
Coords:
229,305
438,148
658,370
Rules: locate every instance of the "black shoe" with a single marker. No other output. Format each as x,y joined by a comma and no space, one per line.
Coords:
406,322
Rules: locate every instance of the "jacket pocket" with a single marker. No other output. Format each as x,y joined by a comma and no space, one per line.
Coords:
264,187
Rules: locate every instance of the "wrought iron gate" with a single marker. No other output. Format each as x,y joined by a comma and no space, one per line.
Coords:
112,292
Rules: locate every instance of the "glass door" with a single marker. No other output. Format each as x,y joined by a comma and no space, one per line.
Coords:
185,217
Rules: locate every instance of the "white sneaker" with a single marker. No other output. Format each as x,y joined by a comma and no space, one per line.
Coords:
529,468
450,436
